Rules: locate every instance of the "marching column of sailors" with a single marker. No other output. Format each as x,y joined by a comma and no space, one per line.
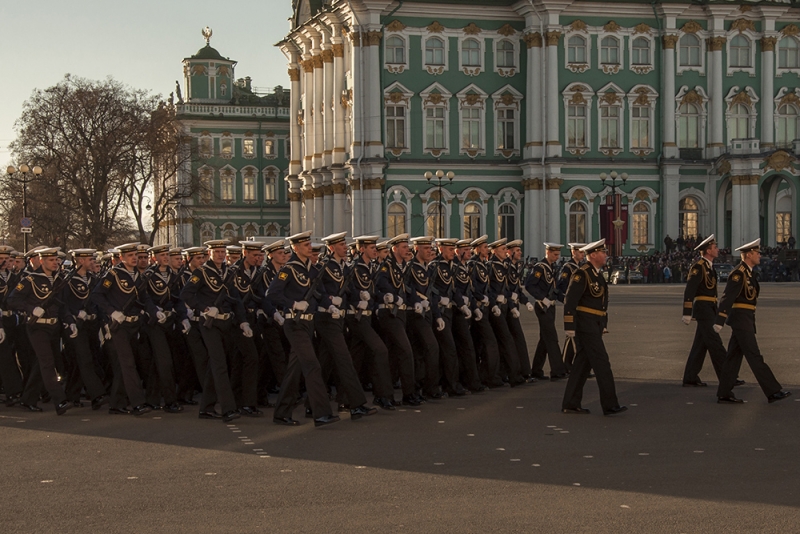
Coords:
142,328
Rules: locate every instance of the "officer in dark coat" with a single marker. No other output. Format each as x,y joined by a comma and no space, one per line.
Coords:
483,335
516,283
462,317
700,304
272,358
500,302
541,284
586,319
738,310
9,371
293,293
564,276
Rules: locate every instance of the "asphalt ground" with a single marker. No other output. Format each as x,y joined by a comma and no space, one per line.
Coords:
501,461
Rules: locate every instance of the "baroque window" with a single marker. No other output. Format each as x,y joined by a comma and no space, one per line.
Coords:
577,222
788,56
641,221
689,217
472,221
506,222
689,51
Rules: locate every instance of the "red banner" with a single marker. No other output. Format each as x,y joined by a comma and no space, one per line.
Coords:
614,233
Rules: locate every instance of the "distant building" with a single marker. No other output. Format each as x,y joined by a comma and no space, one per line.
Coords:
241,135
527,102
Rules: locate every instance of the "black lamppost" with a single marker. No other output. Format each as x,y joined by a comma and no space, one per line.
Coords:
22,175
439,175
617,222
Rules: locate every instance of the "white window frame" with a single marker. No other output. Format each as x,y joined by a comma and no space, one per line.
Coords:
507,98
436,69
399,96
481,201
609,68
274,179
253,175
753,39
512,197
428,201
227,138
701,36
588,206
650,197
782,70
252,141
436,96
636,98
399,194
643,68
228,227
205,137
472,70
603,101
731,99
206,194
578,93
270,137
790,97
396,68
227,171
702,118
506,72
207,228
578,67
472,97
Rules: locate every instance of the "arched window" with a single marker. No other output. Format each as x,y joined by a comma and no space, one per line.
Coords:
249,185
436,214
226,185
641,51
206,147
688,126
505,54
786,125
609,126
577,222
472,221
206,232
250,230
434,51
396,219
226,150
248,148
739,122
740,51
272,230
783,220
506,222
471,53
206,185
228,231
640,126
576,49
609,51
576,126
641,222
689,55
689,217
270,189
788,57
269,147
395,50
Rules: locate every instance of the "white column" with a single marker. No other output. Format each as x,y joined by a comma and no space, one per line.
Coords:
327,201
339,111
308,203
359,102
340,224
669,200
554,205
308,120
376,208
738,213
553,96
296,156
357,206
295,204
319,92
533,98
716,141
374,92
532,234
319,205
668,98
767,91
328,103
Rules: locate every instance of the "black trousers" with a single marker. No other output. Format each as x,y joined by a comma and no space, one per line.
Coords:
271,358
547,348
183,363
426,350
366,346
199,353
394,333
243,357
82,371
302,362
331,337
743,343
518,335
216,383
705,340
487,350
9,370
465,350
591,355
45,343
161,372
508,348
447,352
123,343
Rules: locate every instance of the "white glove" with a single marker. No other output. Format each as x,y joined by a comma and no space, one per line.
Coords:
362,304
118,317
73,329
686,319
38,312
101,336
515,313
333,310
547,302
82,315
529,306
717,328
496,311
364,295
212,312
106,332
514,297
444,301
418,308
336,301
260,312
485,300
186,326
570,333
300,305
246,330
466,311
465,300
426,304
501,299
161,316
278,318
478,315
399,301
439,324
189,313
388,298
2,334
605,331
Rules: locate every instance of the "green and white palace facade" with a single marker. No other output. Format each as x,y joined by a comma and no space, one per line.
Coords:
528,102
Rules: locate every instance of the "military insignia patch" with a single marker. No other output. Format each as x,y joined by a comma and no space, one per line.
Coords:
384,269
576,277
283,276
736,277
538,275
20,287
106,283
194,279
695,271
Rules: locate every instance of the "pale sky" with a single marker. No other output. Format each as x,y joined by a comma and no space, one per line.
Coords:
140,43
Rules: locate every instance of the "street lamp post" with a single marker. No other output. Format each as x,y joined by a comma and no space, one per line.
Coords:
23,177
617,222
439,175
